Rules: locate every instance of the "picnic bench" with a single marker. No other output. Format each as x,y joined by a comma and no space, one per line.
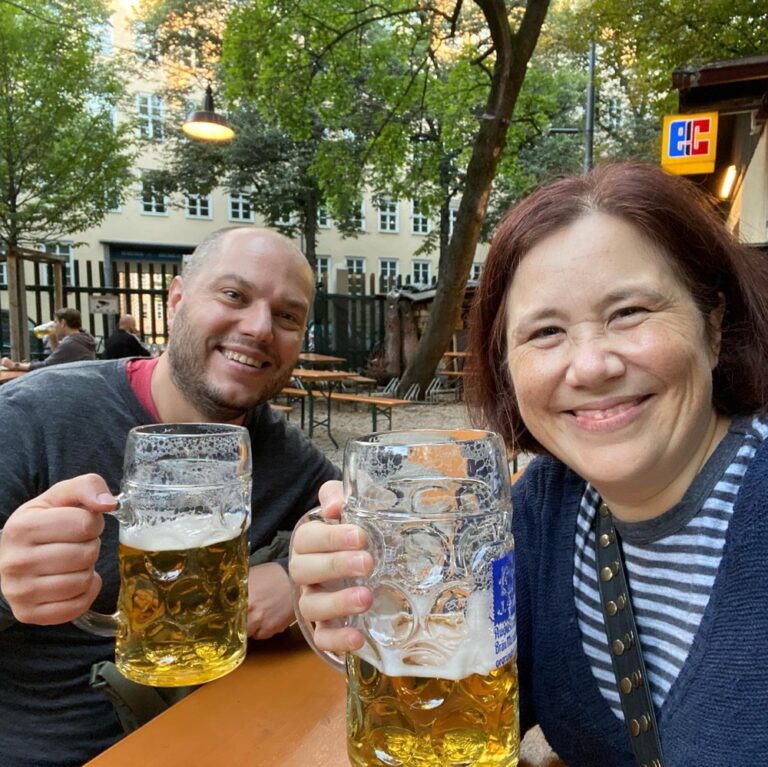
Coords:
379,406
284,409
294,394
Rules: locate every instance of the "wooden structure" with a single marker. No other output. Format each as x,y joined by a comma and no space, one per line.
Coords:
17,293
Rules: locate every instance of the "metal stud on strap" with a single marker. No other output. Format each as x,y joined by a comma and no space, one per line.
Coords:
626,655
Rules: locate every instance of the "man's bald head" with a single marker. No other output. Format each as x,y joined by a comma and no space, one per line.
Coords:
212,246
127,322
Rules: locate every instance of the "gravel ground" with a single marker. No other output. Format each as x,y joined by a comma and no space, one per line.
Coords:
350,420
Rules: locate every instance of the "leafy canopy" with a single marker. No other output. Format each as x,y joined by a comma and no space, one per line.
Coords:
63,161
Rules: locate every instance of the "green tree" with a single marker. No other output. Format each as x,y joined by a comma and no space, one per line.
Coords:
376,78
63,162
641,42
275,168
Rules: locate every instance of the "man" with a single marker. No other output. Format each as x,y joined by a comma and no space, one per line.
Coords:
237,316
124,342
68,341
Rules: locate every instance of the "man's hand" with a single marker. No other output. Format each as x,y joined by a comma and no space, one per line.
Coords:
49,548
270,609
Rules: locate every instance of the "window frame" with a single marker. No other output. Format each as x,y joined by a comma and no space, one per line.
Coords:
202,199
240,199
388,215
150,123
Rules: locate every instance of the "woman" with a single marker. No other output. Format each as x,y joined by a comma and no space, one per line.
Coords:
621,334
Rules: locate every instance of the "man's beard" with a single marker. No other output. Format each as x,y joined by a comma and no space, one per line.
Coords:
187,356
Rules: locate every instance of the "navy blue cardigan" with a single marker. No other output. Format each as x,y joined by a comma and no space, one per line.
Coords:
716,713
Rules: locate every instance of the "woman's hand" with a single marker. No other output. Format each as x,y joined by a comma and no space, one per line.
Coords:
321,555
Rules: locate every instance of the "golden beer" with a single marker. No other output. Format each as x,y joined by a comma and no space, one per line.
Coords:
430,721
182,610
41,331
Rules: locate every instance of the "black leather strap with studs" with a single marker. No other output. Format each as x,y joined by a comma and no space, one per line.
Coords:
623,644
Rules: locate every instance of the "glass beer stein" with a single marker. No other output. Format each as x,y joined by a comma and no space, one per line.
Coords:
184,512
435,683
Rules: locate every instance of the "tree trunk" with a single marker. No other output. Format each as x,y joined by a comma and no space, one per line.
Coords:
17,304
513,51
310,227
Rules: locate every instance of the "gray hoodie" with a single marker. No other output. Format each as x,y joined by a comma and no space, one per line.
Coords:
75,348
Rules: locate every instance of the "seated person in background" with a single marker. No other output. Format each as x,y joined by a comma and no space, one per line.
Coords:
237,317
68,341
124,342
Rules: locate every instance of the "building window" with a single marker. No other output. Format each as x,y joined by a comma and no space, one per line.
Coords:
153,201
102,34
285,219
357,215
150,112
324,271
420,222
422,272
240,207
452,214
114,201
388,267
61,249
356,265
4,273
356,275
199,206
477,270
388,273
323,219
388,216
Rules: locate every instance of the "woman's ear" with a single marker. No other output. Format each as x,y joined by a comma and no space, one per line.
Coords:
715,330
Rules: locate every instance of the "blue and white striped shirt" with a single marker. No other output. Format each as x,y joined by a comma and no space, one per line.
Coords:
671,565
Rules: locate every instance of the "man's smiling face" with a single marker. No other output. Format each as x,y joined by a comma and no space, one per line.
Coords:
238,323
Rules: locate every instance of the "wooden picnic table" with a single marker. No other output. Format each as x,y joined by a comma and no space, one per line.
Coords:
311,358
8,375
311,378
283,707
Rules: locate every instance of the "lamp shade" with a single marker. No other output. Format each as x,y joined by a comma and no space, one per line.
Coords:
206,125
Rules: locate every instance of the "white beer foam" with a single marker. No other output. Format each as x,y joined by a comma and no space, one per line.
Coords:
186,533
475,655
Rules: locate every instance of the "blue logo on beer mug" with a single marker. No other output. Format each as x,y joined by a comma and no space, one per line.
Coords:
504,607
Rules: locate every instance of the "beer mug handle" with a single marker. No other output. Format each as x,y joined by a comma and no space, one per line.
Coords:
334,660
98,623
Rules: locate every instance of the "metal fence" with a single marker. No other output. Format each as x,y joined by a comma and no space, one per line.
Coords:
348,323
135,288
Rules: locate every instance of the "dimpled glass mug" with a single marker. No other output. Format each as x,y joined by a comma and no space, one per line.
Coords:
435,684
184,512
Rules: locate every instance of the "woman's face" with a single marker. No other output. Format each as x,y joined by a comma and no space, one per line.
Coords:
611,360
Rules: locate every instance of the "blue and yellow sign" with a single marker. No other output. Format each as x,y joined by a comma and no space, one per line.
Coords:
689,143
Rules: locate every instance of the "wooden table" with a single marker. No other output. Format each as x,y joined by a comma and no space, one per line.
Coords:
282,708
311,358
310,378
9,375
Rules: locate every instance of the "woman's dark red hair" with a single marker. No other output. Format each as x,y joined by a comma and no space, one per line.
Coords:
672,213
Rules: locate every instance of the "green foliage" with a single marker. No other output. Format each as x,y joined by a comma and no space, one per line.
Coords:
63,163
641,42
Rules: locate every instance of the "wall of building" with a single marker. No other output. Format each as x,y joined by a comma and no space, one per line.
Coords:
176,227
751,205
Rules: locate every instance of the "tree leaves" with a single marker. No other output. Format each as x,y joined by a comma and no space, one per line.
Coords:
63,159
